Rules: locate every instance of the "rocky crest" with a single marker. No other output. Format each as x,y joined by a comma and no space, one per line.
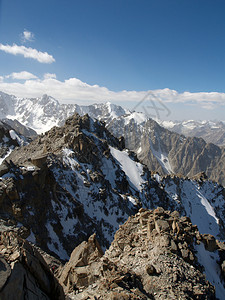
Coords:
154,255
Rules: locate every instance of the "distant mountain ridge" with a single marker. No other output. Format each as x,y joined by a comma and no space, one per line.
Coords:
210,131
41,114
161,150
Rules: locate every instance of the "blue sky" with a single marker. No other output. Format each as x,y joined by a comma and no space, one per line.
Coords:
96,51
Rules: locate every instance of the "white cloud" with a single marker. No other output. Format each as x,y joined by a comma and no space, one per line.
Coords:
24,75
27,36
42,57
49,76
74,90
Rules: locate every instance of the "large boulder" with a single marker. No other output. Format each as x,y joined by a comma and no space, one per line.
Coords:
82,268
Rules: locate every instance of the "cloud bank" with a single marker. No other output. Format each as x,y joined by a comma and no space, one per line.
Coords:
42,57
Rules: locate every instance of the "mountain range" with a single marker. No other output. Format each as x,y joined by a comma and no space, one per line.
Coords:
77,183
160,149
210,131
78,179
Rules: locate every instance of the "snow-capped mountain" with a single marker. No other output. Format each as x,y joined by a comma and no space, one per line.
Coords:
160,149
210,131
41,114
78,179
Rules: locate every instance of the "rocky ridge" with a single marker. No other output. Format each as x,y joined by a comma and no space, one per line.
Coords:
20,128
168,152
154,255
78,179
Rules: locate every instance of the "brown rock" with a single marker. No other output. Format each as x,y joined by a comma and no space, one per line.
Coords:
223,269
5,272
80,270
162,226
28,276
209,242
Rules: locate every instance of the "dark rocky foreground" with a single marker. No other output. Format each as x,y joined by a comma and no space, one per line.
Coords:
154,255
24,274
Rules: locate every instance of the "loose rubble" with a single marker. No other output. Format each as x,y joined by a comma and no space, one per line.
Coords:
152,257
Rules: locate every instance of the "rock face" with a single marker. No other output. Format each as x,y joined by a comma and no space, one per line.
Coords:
153,256
20,128
81,268
24,274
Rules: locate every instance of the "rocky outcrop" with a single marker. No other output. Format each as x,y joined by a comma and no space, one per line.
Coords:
153,256
82,268
24,274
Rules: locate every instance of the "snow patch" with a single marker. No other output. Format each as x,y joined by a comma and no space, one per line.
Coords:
15,136
162,158
7,154
138,117
132,169
55,244
212,269
132,200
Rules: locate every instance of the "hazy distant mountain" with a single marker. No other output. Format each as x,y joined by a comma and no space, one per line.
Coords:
210,131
